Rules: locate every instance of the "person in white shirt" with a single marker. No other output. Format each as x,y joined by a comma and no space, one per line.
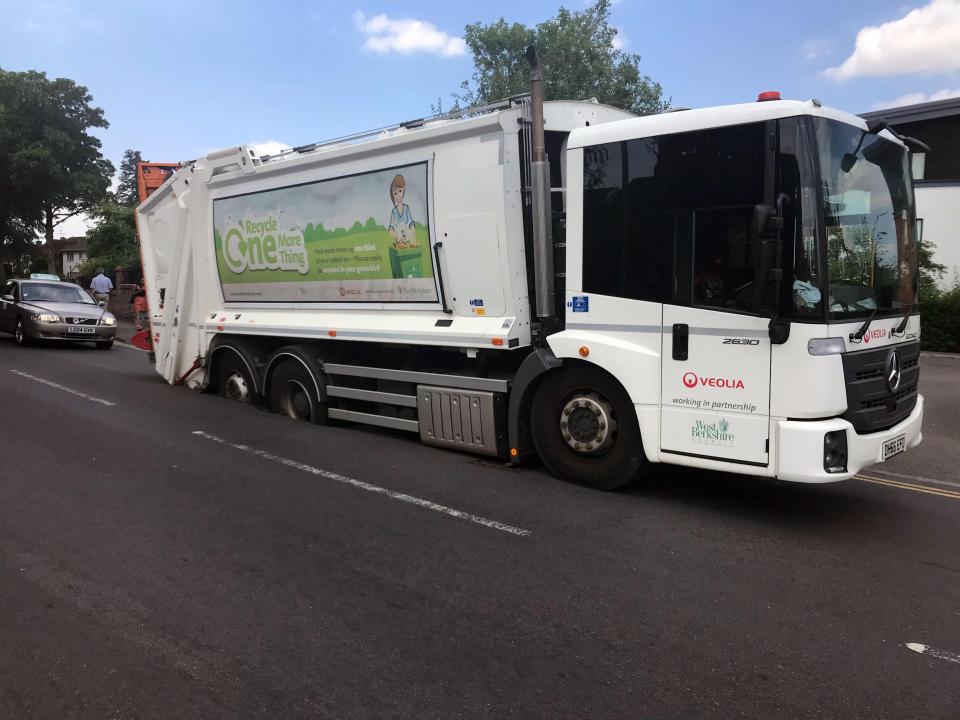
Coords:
101,287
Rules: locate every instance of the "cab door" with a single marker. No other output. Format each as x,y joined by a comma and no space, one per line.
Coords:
716,349
715,385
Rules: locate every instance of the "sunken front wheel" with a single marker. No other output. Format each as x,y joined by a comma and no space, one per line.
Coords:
585,429
293,392
233,379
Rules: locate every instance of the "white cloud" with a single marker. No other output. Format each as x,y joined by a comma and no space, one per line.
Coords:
815,50
914,98
269,147
925,40
406,36
620,41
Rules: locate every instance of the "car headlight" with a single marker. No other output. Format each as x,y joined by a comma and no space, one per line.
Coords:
108,320
46,317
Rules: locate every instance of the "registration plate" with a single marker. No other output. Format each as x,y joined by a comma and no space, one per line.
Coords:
895,446
81,330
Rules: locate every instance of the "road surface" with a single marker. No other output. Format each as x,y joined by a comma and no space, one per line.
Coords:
167,554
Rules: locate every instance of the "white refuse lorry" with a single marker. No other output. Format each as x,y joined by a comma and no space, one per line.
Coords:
731,288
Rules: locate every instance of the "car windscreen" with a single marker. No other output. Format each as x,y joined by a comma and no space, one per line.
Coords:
48,292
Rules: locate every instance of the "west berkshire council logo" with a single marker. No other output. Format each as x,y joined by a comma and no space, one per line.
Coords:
715,433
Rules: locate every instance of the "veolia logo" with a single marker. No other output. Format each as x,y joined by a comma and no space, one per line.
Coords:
258,245
691,380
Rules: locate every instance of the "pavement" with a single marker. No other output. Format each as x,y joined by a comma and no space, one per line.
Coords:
167,554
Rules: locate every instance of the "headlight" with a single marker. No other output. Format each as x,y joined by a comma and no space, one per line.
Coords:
108,320
46,317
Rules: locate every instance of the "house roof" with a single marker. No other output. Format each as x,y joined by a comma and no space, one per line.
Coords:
915,113
78,242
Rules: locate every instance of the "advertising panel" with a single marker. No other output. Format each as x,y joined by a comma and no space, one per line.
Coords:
359,238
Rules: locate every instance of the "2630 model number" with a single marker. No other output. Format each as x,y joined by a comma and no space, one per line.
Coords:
741,341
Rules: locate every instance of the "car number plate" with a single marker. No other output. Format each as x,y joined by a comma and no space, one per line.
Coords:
81,330
895,446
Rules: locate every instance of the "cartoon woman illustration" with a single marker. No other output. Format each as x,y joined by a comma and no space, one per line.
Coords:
401,221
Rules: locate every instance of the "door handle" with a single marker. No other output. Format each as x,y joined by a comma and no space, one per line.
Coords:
681,341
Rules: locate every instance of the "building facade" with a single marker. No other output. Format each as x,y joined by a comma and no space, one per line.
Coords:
70,253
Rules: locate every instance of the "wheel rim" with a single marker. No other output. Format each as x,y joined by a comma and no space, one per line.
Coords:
588,423
296,401
235,387
18,332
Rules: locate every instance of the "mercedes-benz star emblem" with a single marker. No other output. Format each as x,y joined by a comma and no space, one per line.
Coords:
893,371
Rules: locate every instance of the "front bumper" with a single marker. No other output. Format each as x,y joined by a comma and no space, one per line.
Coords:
61,331
800,446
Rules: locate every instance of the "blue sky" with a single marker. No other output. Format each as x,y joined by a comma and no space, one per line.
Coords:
180,78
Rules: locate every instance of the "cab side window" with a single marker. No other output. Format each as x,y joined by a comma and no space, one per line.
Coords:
668,219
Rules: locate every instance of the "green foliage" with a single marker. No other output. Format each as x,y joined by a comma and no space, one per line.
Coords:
940,322
931,273
51,167
113,240
127,193
579,57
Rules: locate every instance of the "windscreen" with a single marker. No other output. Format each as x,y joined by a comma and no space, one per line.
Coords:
868,209
43,292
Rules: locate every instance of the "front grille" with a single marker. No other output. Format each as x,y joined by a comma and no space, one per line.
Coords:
871,406
80,321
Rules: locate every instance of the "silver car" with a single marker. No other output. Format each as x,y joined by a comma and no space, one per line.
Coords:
36,310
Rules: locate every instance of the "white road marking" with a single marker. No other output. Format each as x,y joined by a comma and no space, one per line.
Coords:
941,355
934,652
916,478
336,477
64,388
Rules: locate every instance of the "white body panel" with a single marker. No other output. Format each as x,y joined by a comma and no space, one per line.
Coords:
476,213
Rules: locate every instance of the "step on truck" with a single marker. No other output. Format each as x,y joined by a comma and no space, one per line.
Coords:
731,288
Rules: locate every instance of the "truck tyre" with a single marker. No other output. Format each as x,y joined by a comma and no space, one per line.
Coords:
585,429
293,392
233,379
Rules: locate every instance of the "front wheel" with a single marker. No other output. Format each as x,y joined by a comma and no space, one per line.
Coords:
104,344
585,429
233,379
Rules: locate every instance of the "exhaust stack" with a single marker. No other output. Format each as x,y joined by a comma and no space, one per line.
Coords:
540,195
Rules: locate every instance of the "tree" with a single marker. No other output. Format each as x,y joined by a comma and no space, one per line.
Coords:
112,241
51,167
580,59
931,273
127,192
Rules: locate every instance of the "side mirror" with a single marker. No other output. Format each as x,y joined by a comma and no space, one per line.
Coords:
102,303
766,221
8,298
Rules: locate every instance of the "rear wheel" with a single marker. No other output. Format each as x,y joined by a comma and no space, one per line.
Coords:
233,379
20,333
585,429
293,392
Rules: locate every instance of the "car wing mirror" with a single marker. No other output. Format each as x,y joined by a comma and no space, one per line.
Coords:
7,297
102,303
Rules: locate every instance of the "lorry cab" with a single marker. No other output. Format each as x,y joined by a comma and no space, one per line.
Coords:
750,272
